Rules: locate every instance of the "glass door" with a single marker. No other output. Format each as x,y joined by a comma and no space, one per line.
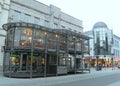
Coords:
24,61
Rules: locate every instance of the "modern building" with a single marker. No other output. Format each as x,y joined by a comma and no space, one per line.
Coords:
42,35
104,45
36,13
32,50
4,11
103,40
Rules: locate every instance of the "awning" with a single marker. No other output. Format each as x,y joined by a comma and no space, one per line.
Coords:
117,58
88,57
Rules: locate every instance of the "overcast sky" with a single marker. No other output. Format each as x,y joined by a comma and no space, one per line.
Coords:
91,11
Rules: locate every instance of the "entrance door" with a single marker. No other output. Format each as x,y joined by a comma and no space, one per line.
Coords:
24,61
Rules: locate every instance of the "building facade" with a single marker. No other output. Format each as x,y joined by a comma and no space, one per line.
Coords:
32,50
41,14
4,11
41,40
103,40
36,13
104,45
116,46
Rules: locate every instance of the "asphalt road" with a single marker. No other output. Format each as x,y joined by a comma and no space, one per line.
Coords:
106,80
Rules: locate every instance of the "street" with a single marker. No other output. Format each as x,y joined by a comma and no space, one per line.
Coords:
97,81
95,78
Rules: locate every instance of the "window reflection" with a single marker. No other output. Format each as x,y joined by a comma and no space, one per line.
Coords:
26,37
10,37
39,40
21,36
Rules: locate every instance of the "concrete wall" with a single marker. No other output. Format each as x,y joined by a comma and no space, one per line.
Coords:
4,9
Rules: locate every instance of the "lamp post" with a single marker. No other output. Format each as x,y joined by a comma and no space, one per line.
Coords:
45,34
57,50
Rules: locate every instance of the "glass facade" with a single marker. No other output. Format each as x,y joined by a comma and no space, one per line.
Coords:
102,40
33,50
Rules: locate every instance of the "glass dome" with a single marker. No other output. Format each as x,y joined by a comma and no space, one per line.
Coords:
99,25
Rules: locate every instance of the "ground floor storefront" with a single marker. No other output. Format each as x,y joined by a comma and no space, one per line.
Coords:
107,63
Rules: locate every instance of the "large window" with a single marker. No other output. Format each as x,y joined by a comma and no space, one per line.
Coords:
62,27
55,25
26,37
36,20
10,37
46,23
23,37
16,16
27,18
17,36
39,40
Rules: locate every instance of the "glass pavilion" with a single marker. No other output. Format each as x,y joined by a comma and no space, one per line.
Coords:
32,50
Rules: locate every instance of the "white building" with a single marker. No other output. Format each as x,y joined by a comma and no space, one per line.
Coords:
116,46
50,16
35,12
4,10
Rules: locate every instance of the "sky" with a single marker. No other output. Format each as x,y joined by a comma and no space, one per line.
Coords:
91,12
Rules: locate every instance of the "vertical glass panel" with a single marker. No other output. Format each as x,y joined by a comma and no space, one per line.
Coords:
15,61
26,37
10,37
86,45
17,36
39,38
7,62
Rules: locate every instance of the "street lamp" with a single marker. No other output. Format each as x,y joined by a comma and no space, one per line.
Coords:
45,66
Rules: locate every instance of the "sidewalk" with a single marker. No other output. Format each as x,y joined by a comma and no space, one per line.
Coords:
93,70
45,81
